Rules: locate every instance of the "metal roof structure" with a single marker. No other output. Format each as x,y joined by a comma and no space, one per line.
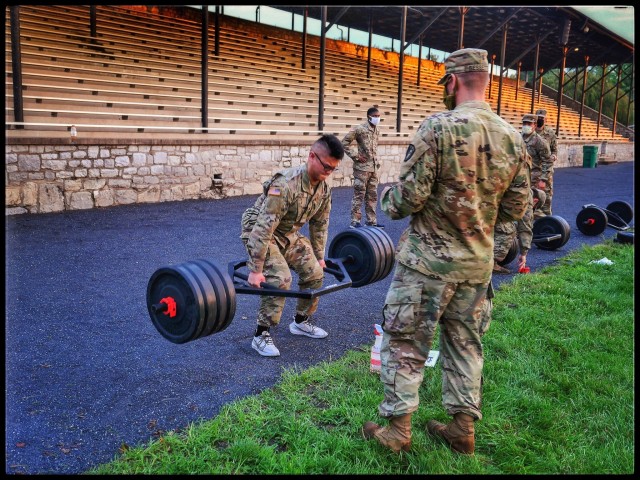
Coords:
448,28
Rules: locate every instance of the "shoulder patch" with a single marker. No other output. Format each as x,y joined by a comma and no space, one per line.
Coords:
274,191
410,151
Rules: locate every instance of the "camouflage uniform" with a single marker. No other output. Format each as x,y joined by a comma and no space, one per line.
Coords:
549,135
537,151
463,171
270,232
365,171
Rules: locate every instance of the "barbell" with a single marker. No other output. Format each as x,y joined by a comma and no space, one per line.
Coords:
549,233
593,220
197,298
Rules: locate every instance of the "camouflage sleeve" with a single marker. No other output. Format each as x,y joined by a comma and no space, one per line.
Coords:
275,206
417,174
319,228
546,162
551,139
515,199
553,145
346,144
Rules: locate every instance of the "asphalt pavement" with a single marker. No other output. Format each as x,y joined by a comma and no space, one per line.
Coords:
86,371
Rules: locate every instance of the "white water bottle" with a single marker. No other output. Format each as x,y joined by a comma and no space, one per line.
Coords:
375,349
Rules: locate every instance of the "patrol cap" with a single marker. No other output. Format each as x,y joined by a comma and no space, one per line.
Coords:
529,117
541,112
540,195
463,61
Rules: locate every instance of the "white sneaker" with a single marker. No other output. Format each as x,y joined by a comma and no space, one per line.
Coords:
263,344
307,329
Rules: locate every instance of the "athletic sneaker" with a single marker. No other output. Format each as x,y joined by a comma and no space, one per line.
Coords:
377,225
307,329
263,344
355,225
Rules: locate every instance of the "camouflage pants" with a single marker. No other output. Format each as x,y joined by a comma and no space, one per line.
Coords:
299,256
545,209
414,306
365,189
503,235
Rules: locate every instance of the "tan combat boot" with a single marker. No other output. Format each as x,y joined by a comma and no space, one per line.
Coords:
497,268
459,434
396,436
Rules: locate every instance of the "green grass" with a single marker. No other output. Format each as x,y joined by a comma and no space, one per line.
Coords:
558,396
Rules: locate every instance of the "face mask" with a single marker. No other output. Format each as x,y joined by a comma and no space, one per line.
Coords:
540,122
448,100
527,129
374,120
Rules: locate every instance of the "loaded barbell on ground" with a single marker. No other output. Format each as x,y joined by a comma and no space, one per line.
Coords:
549,233
593,220
196,299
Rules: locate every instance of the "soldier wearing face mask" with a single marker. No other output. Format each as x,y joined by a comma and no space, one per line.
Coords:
465,169
365,169
541,161
548,134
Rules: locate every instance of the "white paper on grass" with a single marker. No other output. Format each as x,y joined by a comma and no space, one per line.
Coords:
432,358
602,261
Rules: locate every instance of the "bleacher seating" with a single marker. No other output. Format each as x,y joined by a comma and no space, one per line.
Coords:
142,73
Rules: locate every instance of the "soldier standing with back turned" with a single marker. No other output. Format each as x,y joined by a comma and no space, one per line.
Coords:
464,170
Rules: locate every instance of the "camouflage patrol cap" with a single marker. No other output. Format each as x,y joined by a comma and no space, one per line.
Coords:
541,112
463,61
540,195
529,117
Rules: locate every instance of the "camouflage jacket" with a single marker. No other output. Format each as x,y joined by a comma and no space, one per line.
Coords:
365,158
464,170
287,203
541,162
549,135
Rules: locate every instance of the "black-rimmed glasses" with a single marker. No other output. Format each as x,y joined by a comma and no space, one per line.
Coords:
327,168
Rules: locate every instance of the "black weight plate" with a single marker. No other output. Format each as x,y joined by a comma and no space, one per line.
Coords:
379,260
210,301
591,220
388,252
566,228
547,226
511,254
224,298
625,237
355,244
622,210
171,282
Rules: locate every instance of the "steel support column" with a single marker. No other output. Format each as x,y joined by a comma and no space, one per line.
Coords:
403,31
323,39
16,65
204,62
584,93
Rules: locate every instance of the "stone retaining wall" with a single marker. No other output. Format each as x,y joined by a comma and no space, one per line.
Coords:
42,178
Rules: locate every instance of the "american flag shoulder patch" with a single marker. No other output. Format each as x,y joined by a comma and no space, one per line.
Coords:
274,191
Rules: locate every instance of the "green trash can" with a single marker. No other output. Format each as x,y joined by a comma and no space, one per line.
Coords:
589,156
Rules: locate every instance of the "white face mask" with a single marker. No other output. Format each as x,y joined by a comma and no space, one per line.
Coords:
374,120
527,129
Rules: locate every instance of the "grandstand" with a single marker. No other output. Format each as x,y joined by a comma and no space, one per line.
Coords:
133,94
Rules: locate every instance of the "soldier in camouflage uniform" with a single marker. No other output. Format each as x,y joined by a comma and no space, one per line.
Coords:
365,169
537,149
549,135
464,170
270,233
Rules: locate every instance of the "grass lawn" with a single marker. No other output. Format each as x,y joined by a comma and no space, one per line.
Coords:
558,396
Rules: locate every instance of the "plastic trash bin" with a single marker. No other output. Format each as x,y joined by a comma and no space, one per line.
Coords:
589,156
